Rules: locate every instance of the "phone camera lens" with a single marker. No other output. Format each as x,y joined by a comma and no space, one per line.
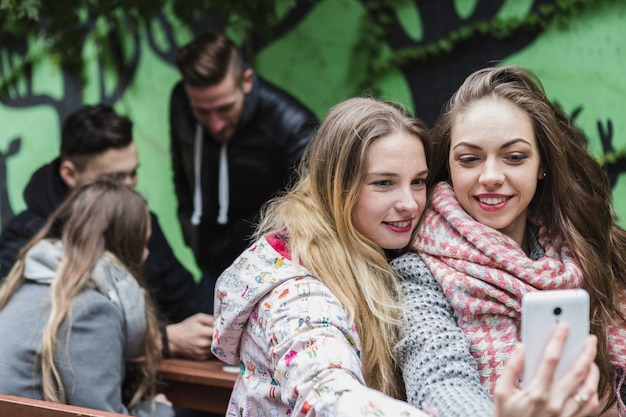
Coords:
557,311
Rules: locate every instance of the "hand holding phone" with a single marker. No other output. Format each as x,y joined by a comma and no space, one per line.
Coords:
559,396
541,311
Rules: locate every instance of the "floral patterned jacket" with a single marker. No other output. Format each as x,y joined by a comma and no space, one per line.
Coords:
298,353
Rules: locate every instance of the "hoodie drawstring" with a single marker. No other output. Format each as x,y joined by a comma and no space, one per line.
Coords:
223,181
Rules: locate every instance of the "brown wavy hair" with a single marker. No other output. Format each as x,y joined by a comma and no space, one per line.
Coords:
575,198
97,217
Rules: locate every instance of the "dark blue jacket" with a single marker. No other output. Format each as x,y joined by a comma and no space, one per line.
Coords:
174,292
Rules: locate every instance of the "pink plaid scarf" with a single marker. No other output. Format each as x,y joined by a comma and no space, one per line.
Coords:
484,274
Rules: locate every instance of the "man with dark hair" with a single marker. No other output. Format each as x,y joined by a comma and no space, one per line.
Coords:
235,141
95,141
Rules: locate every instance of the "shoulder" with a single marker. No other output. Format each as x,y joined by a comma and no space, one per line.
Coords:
304,288
90,310
96,320
409,265
283,106
26,223
157,243
15,233
180,109
178,92
155,226
259,270
91,301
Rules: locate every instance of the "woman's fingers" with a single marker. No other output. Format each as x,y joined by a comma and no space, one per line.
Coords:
579,384
551,357
574,395
507,383
590,391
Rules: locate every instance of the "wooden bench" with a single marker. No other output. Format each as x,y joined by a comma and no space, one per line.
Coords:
12,406
198,385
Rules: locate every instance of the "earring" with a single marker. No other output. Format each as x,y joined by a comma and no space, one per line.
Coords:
544,174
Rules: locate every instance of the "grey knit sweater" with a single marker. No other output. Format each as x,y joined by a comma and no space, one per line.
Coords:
438,370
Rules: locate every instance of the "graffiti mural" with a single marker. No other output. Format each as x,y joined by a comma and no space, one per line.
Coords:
316,51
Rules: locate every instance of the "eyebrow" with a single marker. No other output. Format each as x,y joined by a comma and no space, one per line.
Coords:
392,174
216,108
134,170
505,145
381,173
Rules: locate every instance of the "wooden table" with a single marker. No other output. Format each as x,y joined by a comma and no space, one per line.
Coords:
197,385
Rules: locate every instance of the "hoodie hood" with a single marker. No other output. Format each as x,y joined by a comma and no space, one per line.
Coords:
45,190
109,278
251,277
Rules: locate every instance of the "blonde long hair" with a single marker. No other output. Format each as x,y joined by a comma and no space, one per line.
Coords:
317,215
96,217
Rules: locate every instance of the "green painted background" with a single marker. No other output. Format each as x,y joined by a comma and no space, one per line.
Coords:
581,64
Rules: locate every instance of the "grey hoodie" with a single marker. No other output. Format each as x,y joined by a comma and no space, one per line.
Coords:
90,357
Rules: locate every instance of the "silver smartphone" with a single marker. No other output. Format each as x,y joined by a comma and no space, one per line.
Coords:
541,311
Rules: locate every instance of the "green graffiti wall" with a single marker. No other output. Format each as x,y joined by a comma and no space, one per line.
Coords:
580,59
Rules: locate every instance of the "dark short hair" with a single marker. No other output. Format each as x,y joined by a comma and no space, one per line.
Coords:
92,130
207,59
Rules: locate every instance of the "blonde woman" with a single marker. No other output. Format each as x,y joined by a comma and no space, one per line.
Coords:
310,311
73,310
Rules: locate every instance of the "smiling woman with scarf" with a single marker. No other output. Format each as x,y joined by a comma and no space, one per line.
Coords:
73,310
310,311
519,205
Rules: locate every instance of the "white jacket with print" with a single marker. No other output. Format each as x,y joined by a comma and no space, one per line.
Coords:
298,353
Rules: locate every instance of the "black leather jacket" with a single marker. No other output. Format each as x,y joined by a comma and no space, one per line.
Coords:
269,141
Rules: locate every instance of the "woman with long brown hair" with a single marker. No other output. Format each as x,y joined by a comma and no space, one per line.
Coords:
73,310
518,205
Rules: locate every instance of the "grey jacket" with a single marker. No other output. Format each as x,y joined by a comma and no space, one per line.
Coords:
90,358
433,353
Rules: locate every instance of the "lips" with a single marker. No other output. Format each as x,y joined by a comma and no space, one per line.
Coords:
492,201
405,226
400,225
